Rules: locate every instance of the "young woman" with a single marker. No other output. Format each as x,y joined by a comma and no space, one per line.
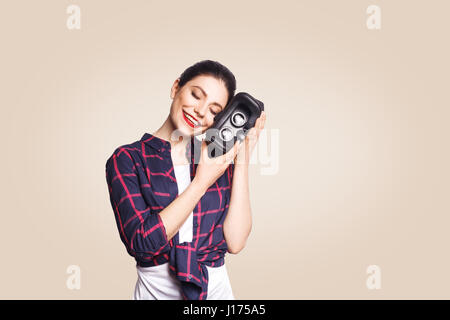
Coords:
178,211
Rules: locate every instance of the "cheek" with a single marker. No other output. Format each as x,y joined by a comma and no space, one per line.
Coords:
179,103
183,100
187,100
210,120
175,110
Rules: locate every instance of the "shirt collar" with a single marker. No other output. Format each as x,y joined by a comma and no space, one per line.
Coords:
155,142
158,143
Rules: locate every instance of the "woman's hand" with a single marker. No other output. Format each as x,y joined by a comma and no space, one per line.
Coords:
210,169
245,149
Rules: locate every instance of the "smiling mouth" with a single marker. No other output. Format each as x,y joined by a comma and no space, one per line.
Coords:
190,120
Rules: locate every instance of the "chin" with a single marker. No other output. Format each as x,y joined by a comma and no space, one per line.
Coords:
185,131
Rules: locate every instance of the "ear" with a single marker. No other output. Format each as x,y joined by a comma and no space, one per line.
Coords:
174,89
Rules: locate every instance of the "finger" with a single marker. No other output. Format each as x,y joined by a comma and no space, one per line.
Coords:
203,145
231,154
244,150
263,122
252,131
224,158
257,123
261,125
263,118
238,148
204,151
252,134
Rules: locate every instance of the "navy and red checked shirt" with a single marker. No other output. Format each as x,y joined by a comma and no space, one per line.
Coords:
141,183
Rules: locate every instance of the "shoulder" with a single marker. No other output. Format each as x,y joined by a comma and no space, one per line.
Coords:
126,154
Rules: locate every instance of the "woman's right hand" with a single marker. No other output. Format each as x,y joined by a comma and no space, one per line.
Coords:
210,169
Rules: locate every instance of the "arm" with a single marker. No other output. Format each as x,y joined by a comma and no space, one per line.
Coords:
238,223
208,171
144,232
175,214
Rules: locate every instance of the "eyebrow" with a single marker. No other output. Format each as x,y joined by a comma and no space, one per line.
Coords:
215,103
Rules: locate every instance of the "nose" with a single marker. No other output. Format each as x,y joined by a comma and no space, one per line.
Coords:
200,110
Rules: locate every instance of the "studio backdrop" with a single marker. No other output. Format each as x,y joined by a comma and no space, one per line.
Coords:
349,183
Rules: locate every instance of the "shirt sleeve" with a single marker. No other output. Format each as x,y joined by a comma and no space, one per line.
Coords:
141,230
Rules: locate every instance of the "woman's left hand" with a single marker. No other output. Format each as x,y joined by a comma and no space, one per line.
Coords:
245,149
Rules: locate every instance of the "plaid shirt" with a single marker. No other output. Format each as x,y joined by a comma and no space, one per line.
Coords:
141,183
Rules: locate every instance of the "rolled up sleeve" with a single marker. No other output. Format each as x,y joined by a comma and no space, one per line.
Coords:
141,229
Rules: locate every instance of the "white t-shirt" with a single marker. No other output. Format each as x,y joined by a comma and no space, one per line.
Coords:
157,283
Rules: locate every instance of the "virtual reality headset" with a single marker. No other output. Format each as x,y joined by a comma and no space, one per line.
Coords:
233,123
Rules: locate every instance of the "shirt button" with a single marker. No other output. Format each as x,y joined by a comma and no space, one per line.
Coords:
189,277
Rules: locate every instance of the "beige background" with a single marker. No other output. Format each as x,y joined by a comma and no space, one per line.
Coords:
364,152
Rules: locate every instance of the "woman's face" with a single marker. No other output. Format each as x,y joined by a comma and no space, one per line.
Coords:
195,105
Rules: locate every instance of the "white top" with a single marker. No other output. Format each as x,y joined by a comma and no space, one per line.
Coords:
157,283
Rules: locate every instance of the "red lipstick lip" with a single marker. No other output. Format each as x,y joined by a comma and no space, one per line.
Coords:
191,115
188,121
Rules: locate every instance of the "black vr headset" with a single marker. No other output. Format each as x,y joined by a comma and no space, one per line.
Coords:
232,123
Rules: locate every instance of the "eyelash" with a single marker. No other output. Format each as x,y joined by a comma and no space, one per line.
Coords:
192,92
194,95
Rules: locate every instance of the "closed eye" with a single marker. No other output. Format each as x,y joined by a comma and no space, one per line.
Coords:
193,94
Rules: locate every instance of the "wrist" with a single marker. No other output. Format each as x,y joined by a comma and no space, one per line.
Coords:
198,186
241,164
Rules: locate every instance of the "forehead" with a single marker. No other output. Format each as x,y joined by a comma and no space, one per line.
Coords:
214,88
